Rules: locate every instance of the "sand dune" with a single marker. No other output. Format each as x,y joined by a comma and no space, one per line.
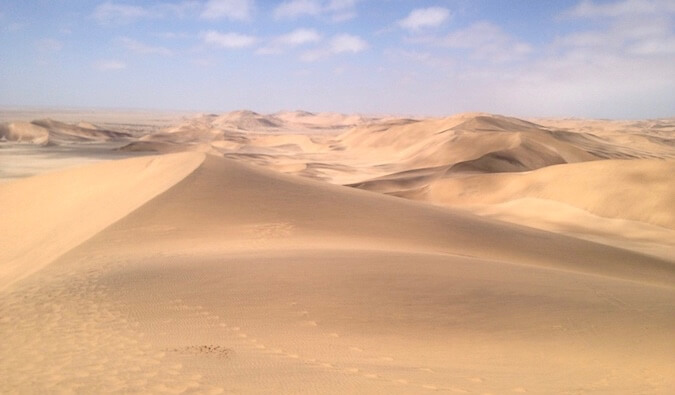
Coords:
258,282
47,215
47,131
24,132
211,271
639,190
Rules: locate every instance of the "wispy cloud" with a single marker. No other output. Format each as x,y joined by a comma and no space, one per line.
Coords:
110,13
141,48
592,9
114,13
347,43
172,35
296,38
238,10
49,45
487,41
108,65
341,43
629,28
336,10
341,10
425,18
296,8
228,40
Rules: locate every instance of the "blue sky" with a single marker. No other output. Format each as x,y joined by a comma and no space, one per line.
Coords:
583,58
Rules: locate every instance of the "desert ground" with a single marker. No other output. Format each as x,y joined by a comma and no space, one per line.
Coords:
297,252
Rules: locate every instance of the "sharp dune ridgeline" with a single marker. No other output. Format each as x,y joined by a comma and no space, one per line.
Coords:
325,253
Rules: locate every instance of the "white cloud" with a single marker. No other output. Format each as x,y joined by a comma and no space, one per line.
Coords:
113,13
293,39
296,8
424,18
347,43
107,65
180,9
171,35
620,66
630,28
591,9
110,13
228,40
341,10
240,10
336,10
300,37
139,47
341,43
49,45
487,41
654,47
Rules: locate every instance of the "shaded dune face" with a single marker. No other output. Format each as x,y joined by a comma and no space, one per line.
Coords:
214,272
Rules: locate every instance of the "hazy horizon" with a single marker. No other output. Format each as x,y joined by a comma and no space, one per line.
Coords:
588,59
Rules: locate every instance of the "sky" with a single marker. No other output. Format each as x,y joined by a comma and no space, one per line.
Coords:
564,58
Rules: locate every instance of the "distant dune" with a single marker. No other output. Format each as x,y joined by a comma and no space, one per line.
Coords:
47,131
264,254
24,132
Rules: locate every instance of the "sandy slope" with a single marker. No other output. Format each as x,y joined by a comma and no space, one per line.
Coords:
47,215
639,190
216,276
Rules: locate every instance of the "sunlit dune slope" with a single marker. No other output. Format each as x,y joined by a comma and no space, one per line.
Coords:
225,203
47,215
199,273
639,190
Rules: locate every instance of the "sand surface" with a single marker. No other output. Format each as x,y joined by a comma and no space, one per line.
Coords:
325,253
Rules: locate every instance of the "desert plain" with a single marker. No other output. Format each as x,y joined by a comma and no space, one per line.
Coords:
319,253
